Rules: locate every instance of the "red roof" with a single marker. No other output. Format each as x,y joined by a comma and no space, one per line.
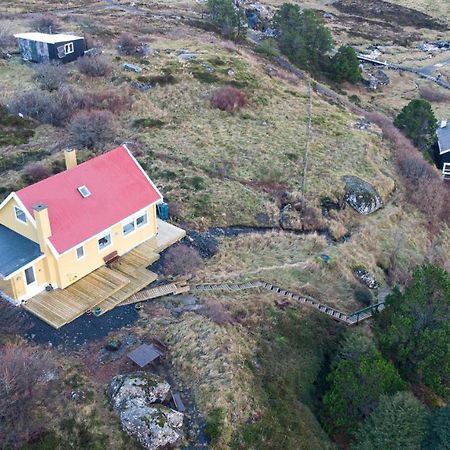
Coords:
118,187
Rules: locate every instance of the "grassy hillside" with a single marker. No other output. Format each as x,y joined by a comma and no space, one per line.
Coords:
254,370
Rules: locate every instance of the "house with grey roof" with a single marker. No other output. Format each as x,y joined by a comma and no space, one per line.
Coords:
443,136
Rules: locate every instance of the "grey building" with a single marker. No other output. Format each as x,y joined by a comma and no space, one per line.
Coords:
42,47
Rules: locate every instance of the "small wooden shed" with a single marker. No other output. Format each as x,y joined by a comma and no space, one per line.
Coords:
42,47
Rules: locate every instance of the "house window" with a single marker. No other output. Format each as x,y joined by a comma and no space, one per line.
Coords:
29,275
104,241
141,220
128,228
20,215
84,191
68,48
80,252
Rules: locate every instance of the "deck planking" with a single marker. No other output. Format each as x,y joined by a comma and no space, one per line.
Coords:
61,306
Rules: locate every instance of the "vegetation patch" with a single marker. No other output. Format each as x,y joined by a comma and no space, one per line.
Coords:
15,130
147,122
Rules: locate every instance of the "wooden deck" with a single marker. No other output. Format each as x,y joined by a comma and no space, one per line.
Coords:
133,266
167,235
62,306
105,288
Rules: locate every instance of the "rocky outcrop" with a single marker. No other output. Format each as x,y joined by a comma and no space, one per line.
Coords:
138,399
361,196
365,277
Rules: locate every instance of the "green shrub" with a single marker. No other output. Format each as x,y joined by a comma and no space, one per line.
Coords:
214,424
268,47
147,122
363,295
15,130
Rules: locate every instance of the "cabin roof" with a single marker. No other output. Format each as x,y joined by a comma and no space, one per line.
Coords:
48,38
443,135
117,185
16,251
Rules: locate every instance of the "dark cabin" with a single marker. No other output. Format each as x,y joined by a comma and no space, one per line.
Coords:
42,47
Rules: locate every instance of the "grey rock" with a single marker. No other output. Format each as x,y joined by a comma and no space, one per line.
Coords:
153,425
365,277
132,68
361,196
142,387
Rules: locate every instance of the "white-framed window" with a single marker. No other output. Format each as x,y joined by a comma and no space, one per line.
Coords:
68,48
80,252
141,220
128,227
84,191
20,215
104,241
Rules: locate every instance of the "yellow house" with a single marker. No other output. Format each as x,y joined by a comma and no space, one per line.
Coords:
59,230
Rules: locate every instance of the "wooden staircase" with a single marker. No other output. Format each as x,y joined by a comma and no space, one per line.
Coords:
181,286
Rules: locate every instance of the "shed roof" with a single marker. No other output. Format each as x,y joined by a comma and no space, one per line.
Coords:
443,135
118,188
144,354
48,38
16,251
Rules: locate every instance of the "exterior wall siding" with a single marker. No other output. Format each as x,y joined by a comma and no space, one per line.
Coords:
71,269
8,219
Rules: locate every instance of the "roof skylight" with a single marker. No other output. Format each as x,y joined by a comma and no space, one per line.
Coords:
84,191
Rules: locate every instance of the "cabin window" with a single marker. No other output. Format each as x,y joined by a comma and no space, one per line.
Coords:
104,241
80,252
128,228
141,220
68,48
29,275
20,215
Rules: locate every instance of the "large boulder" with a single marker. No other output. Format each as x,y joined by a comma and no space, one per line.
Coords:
142,387
153,426
136,397
361,196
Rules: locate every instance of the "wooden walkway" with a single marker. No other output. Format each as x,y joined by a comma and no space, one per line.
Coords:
61,306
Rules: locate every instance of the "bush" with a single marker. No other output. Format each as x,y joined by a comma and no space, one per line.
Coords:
420,178
91,129
147,122
228,99
50,76
414,328
216,312
6,39
418,122
363,296
398,422
302,36
228,19
38,105
128,45
268,47
15,130
46,23
36,171
359,377
181,260
438,430
433,95
94,66
214,424
345,65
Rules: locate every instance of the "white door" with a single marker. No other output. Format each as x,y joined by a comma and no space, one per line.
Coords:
30,281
